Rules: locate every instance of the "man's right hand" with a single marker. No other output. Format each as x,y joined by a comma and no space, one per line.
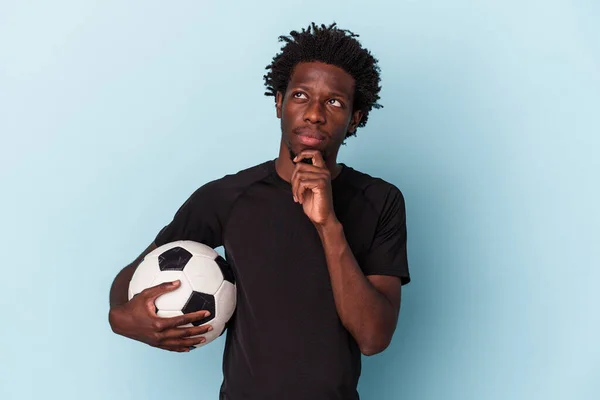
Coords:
137,319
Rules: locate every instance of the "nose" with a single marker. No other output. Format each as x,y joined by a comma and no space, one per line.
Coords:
314,113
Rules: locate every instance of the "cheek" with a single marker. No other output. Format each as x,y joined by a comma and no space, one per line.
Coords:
342,121
287,121
290,113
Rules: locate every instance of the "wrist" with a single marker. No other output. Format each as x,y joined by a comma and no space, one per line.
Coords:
331,226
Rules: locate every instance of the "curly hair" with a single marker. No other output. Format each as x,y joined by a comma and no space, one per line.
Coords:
330,45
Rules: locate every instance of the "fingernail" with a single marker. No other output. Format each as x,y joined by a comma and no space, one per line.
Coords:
210,328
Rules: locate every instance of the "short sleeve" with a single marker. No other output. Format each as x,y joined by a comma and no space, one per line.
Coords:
197,219
387,254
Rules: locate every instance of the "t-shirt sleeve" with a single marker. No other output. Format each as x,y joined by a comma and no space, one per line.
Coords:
199,219
387,254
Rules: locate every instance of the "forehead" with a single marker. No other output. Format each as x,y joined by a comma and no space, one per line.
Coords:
321,76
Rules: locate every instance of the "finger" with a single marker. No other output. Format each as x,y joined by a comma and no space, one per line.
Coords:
309,168
301,176
312,185
173,322
184,342
293,182
175,349
314,155
296,181
297,175
300,192
301,172
153,292
310,154
184,332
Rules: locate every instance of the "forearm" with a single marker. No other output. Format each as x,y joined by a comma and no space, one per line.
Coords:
120,286
367,314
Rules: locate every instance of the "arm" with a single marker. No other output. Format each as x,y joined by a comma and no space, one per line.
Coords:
120,285
368,306
196,219
137,319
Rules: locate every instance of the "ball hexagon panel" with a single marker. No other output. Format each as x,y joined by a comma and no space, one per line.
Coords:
143,276
161,249
200,301
218,327
218,330
203,274
176,299
199,249
174,259
169,314
225,269
225,299
207,283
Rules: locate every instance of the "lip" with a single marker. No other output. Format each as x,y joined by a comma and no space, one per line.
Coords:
309,141
309,136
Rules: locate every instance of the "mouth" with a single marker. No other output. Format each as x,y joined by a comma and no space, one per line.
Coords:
309,137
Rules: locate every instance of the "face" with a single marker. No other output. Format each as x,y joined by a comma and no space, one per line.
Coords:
316,109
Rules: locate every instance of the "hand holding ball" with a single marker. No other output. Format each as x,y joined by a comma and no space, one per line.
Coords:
206,284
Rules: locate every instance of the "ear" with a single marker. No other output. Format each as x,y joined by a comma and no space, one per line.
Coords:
278,103
355,120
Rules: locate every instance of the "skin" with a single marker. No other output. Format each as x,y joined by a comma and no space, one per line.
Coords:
137,318
319,98
318,101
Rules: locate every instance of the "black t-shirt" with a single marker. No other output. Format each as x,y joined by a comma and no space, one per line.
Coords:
285,339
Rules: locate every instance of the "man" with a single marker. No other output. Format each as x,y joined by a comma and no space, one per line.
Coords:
318,248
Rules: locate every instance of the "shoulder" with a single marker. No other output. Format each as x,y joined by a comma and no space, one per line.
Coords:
214,198
375,189
237,182
219,193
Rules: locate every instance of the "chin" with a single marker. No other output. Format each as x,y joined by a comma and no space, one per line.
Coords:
295,150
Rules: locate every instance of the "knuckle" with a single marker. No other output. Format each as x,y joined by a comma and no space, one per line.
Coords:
156,338
157,325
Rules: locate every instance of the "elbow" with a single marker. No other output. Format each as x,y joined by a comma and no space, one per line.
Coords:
374,346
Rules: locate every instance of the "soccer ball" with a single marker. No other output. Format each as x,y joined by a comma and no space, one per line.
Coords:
207,283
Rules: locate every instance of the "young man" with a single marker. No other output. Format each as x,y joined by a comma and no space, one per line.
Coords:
318,248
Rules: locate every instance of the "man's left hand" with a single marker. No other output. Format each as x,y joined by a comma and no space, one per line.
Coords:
311,187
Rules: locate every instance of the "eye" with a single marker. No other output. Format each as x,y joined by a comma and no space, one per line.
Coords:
299,95
335,103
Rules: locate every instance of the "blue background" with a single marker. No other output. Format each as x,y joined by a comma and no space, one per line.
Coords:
112,113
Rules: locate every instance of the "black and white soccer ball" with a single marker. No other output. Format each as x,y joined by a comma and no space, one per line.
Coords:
207,283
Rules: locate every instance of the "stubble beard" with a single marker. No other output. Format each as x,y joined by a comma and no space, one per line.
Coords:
293,154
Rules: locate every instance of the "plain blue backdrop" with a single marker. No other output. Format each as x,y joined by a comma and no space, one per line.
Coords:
113,112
